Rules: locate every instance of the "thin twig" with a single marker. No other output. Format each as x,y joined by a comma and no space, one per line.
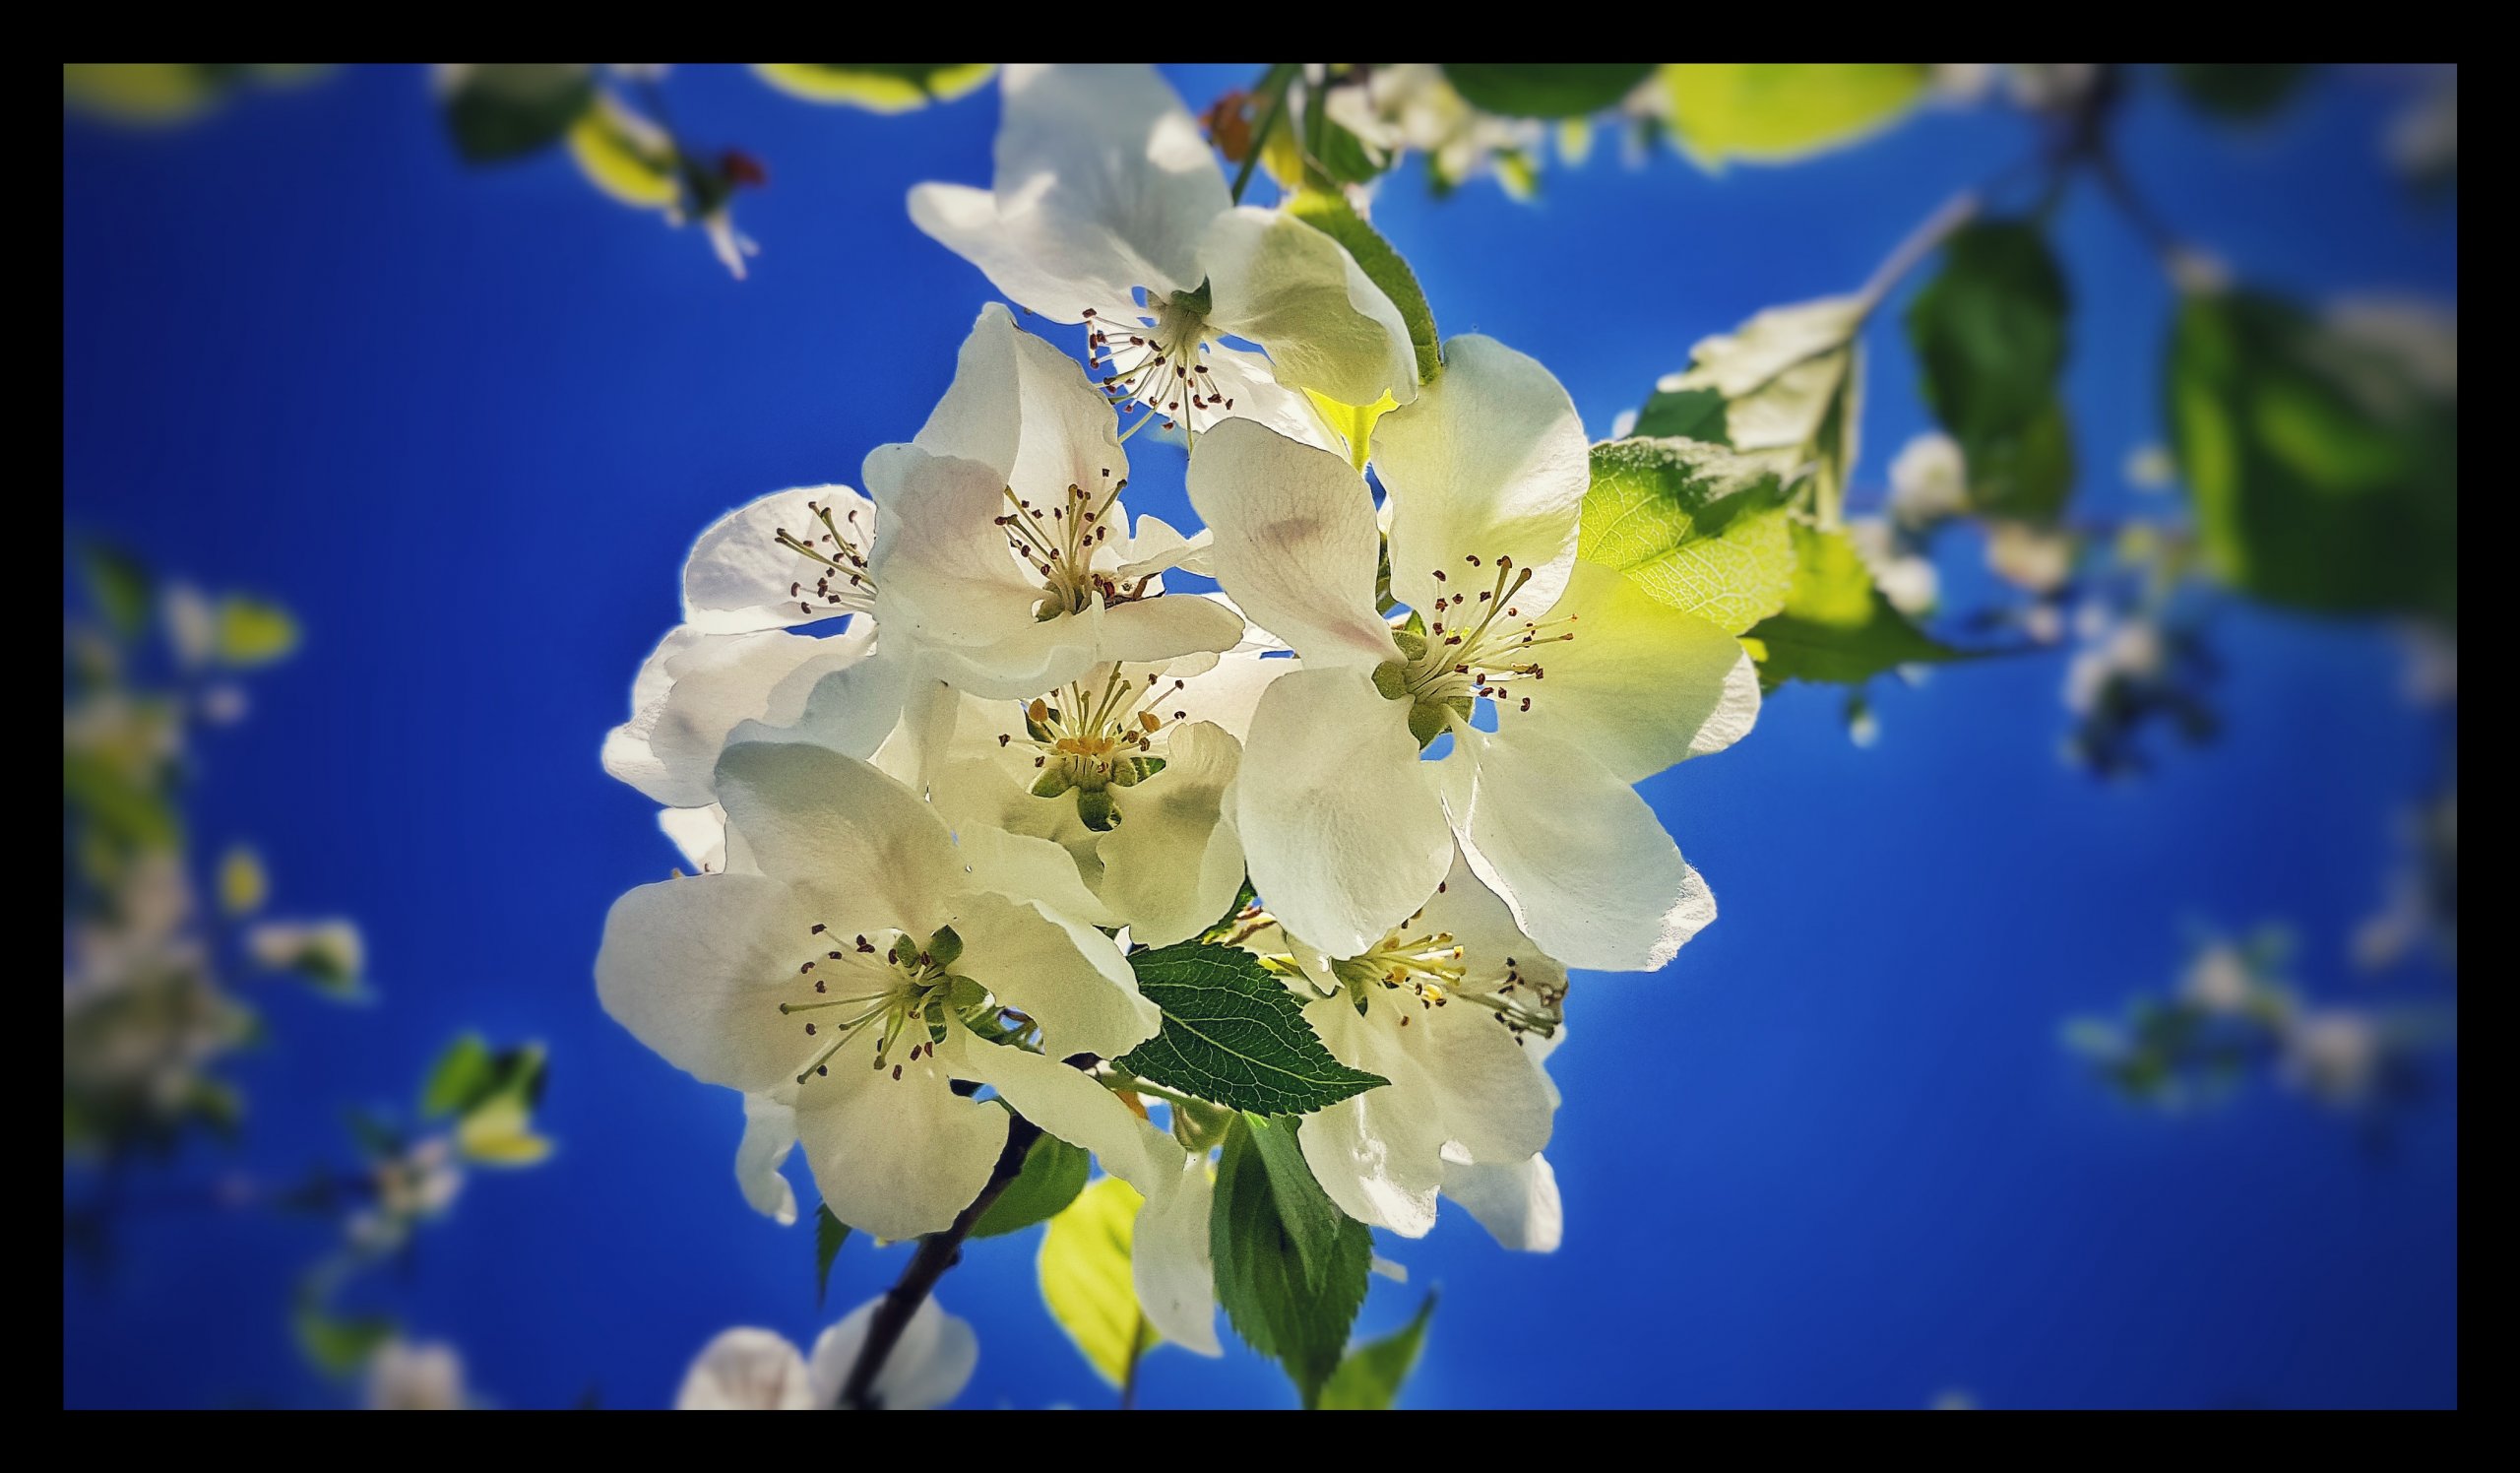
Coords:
938,1252
1921,242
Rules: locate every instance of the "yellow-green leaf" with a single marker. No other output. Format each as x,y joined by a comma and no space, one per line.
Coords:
626,156
243,884
1085,1281
501,1133
1774,112
1334,217
877,87
1693,524
254,631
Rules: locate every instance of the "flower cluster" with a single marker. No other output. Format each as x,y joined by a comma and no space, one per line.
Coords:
955,757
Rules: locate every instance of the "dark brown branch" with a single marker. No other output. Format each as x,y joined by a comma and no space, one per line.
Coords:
938,1252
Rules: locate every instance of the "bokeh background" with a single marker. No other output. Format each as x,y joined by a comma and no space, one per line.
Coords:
466,423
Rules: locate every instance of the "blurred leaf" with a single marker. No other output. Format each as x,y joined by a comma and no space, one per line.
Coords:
1792,383
501,1133
1773,112
1989,335
1370,1378
140,92
338,1345
829,1234
253,632
2324,467
1333,216
1693,524
1086,1279
1684,413
1290,1268
121,585
877,87
243,884
626,156
1836,625
1233,1034
1547,89
98,791
1054,1171
2238,91
498,110
462,1076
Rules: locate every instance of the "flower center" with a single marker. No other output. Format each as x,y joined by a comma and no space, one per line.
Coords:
1058,543
1093,742
1433,969
1475,643
1151,356
891,985
840,584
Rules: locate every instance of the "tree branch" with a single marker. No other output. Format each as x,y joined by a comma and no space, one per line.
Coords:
938,1252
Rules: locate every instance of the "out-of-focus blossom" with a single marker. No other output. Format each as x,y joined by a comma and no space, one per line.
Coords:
1409,107
1928,481
405,1378
759,1370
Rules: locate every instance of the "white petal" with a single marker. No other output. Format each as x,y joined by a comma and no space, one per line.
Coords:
1639,685
770,1133
1026,411
1340,820
1492,944
1068,1104
1489,462
929,1366
1286,286
1578,857
1150,631
1175,863
1226,693
1295,543
696,968
747,1371
1244,380
1378,1155
700,834
1026,252
1025,867
943,573
1517,1203
702,688
1170,1263
738,575
813,815
895,1157
1062,974
1156,548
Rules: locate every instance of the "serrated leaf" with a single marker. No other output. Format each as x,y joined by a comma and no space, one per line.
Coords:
1774,112
2323,454
1547,89
253,632
877,87
497,110
1334,217
1695,526
1836,625
829,1234
1278,1306
1684,413
1233,1034
1370,1378
1791,380
1086,1279
1053,1172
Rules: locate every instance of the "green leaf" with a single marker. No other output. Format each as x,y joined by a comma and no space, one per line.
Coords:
2027,477
121,585
1086,1279
1370,1378
243,883
1989,335
498,110
877,87
1054,1171
462,1076
1684,413
98,790
829,1234
1792,383
2323,456
1773,112
1836,625
1550,88
1332,214
338,1345
1695,526
1235,1035
1295,1310
2238,92
253,632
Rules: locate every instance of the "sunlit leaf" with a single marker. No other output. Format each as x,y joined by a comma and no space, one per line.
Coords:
253,632
243,884
1792,381
1333,216
1695,526
1086,1279
1772,112
877,87
1836,626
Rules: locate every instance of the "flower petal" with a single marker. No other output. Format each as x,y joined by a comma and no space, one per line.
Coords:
1150,631
943,571
1070,1105
1295,543
737,577
1026,411
1170,1260
1243,380
1517,1203
1062,974
1579,857
930,1364
747,1371
895,1157
770,1133
1283,283
1489,462
1340,820
1175,863
1640,684
1379,1155
699,834
701,687
694,968
812,814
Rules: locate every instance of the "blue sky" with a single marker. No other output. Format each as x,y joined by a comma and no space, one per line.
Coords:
467,423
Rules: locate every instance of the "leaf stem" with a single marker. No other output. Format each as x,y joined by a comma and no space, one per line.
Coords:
1921,242
938,1252
1281,77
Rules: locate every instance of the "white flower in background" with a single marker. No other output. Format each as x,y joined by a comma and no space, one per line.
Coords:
2130,650
1443,1007
2049,85
411,1187
1928,481
2150,467
1108,208
2220,981
332,952
1902,571
1008,559
1410,107
2034,559
407,1377
1126,772
838,968
759,1370
2336,1054
1593,684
